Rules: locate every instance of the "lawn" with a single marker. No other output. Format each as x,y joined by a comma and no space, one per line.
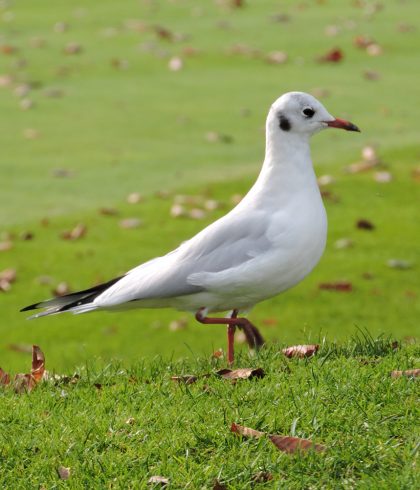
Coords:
91,113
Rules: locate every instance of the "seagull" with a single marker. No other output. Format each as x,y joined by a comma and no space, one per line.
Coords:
265,245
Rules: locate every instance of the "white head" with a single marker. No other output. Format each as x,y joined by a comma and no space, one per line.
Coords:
300,113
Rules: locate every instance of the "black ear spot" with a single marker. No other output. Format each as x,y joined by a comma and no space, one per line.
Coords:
284,123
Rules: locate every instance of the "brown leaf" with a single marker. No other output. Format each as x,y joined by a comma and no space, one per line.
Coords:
25,348
217,485
130,223
108,211
38,363
301,350
276,57
187,379
23,383
292,445
6,245
246,431
335,55
262,477
61,290
364,224
77,232
286,444
218,354
411,373
8,275
158,480
63,472
72,48
341,286
134,198
4,378
243,373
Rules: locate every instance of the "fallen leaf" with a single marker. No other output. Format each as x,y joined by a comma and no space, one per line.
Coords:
292,445
399,264
411,373
175,63
364,224
286,444
8,49
382,177
218,354
324,180
415,174
38,363
196,213
134,198
6,245
371,75
362,41
164,33
4,378
271,322
262,477
180,324
61,27
130,223
276,57
63,472
158,480
335,55
8,275
242,373
217,485
374,49
108,211
72,48
130,421
342,286
246,431
62,173
61,289
301,350
342,243
178,211
76,233
26,104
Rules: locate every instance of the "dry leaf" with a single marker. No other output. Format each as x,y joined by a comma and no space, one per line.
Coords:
26,104
8,275
130,223
325,180
134,198
6,245
63,472
292,445
61,27
217,485
262,477
374,50
77,232
175,63
382,177
341,286
399,264
177,211
4,378
108,211
196,213
218,354
246,431
243,373
371,75
180,324
364,224
72,48
301,350
276,57
342,243
25,348
38,363
411,373
333,56
158,480
62,289
283,443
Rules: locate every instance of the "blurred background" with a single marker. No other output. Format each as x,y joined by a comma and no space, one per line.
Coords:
129,126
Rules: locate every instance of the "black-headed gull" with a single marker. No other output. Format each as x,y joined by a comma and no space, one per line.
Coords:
268,243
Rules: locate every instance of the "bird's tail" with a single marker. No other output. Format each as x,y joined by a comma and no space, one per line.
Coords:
79,302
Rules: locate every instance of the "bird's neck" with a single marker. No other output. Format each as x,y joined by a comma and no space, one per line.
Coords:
287,170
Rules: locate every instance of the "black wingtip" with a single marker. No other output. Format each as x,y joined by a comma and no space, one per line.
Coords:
30,307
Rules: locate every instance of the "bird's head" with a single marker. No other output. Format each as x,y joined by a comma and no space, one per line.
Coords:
297,112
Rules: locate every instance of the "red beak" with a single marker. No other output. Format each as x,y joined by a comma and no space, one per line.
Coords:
341,123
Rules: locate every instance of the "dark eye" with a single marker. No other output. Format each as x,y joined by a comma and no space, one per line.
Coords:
308,112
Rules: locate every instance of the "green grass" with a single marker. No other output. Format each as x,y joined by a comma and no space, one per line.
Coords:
144,129
118,425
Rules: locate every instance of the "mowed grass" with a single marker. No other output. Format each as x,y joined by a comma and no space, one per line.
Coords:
143,128
117,426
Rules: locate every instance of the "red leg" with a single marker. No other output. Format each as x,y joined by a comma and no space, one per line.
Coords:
253,336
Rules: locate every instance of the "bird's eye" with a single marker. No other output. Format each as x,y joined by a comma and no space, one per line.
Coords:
308,111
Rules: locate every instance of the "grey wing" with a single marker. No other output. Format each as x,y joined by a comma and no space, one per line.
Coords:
232,240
